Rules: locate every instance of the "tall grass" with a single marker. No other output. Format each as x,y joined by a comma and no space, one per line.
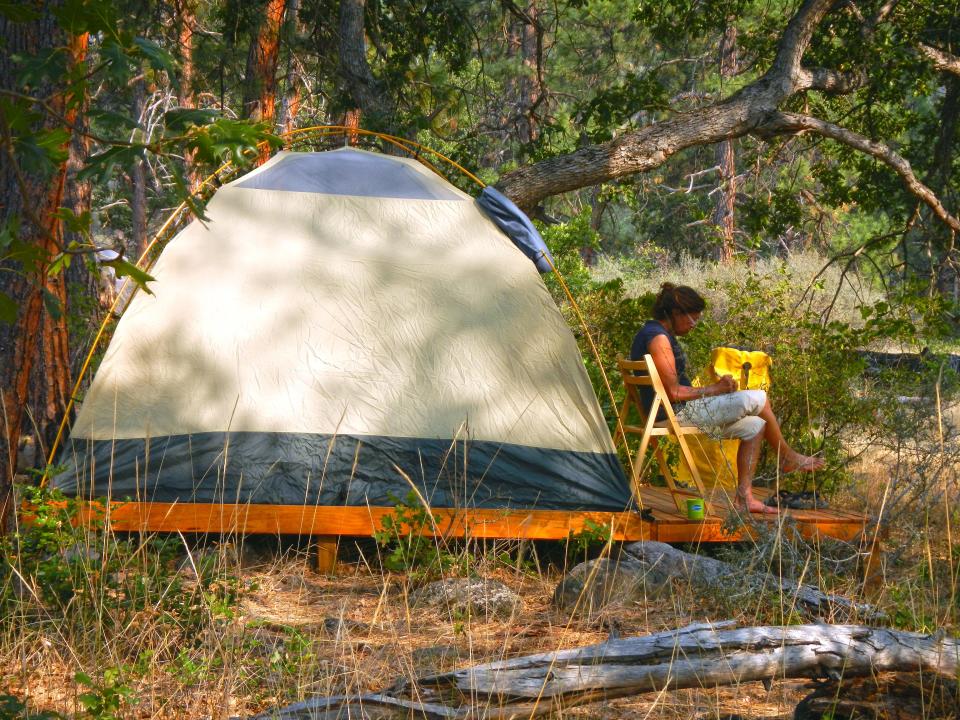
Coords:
100,624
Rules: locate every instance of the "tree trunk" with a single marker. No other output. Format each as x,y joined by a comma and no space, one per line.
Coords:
703,656
260,87
36,334
366,92
185,14
83,276
290,103
137,242
531,80
946,273
726,157
186,18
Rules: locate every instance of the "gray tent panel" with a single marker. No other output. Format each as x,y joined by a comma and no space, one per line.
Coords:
309,469
347,172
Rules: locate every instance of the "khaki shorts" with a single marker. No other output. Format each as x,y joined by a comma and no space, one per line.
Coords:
733,415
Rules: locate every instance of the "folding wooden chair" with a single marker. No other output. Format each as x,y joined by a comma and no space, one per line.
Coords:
643,372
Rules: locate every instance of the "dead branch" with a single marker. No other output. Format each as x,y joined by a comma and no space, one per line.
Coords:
695,656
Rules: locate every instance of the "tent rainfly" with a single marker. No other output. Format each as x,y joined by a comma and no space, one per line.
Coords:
343,324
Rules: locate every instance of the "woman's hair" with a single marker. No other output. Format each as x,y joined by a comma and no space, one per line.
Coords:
677,297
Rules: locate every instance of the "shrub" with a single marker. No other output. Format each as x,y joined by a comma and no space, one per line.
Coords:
788,310
407,546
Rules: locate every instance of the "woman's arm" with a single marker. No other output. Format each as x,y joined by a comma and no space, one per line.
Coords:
662,354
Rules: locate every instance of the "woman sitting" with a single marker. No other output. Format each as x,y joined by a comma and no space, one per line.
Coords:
719,409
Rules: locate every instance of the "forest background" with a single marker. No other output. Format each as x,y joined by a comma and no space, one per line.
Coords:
796,160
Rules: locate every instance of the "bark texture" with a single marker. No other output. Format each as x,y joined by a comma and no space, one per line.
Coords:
364,90
34,354
531,80
726,157
290,102
260,87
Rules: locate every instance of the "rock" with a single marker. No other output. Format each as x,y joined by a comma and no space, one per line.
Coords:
340,627
469,596
592,585
80,551
670,562
211,561
294,583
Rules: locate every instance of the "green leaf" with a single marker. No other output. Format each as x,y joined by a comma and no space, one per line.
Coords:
101,164
45,64
42,152
18,11
30,255
8,309
116,62
52,304
183,192
80,16
8,233
110,118
59,264
74,223
124,268
89,700
83,679
156,56
183,118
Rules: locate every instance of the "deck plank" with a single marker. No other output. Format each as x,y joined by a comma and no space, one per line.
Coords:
668,525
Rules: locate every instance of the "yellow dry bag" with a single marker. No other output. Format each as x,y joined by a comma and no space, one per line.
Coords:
717,459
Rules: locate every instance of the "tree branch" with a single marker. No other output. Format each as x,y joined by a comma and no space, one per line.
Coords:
833,81
941,60
651,146
783,122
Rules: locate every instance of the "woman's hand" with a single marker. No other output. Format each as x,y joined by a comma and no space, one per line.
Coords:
724,385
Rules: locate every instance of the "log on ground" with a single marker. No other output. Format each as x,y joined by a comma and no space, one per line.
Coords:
695,656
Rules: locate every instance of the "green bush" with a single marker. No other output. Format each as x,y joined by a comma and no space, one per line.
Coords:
405,543
818,391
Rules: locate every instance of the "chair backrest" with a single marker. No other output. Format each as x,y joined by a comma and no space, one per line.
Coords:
642,373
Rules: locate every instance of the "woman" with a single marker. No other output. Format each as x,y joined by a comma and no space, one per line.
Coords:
719,409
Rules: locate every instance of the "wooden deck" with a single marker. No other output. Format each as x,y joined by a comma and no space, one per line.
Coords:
324,522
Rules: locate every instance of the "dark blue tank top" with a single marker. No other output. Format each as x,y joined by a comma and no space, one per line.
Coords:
641,347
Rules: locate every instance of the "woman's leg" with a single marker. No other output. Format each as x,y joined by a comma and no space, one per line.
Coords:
747,456
788,459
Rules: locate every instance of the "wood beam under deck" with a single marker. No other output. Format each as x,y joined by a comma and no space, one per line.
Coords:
325,521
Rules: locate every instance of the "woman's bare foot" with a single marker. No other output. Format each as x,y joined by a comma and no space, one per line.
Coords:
801,463
751,504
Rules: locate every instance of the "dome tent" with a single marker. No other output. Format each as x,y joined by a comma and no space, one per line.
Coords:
342,324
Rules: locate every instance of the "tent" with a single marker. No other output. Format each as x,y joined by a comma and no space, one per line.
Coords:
341,326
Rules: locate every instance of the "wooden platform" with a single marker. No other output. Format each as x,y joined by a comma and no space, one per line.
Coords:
667,526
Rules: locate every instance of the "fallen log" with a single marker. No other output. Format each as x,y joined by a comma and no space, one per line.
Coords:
695,656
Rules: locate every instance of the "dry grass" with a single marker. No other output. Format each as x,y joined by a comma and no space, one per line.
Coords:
281,647
294,634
